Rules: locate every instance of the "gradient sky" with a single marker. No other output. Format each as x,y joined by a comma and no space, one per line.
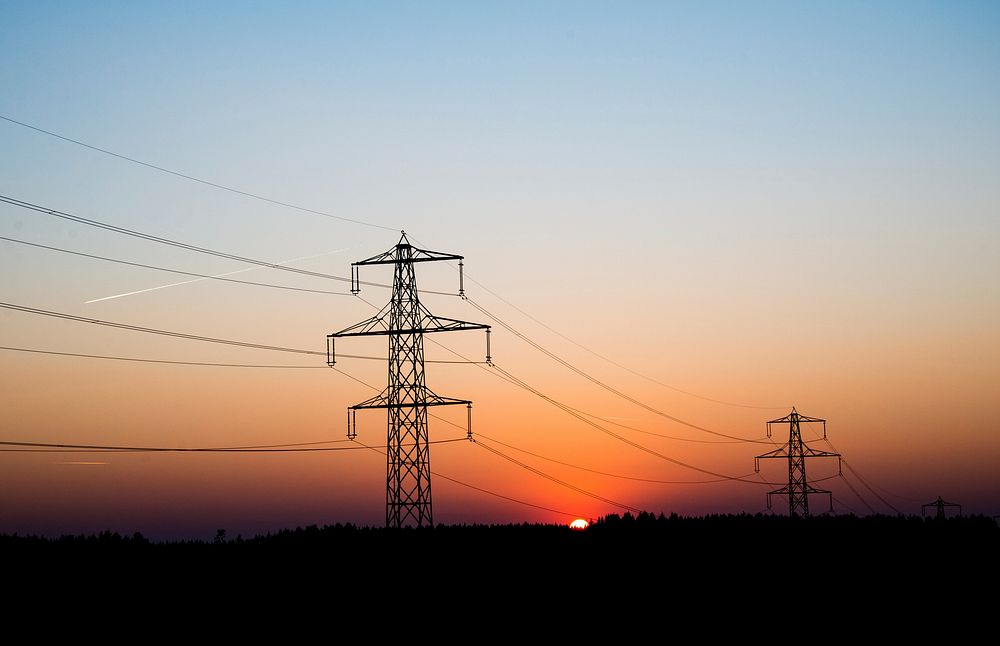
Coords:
773,204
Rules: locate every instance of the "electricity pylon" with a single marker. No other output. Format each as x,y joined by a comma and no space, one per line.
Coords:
940,505
406,397
796,451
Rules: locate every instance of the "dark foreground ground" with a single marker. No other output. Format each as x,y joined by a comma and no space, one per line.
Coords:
854,564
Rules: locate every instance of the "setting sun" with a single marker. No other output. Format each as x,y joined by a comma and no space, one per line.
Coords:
579,523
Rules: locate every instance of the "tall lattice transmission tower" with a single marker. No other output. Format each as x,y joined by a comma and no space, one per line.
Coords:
406,398
796,451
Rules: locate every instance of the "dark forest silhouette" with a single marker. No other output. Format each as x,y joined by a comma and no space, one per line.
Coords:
613,535
628,562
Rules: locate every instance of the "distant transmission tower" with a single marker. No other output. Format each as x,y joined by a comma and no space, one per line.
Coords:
796,451
940,505
405,321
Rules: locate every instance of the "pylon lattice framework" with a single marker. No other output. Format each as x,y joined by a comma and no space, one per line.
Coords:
406,397
796,451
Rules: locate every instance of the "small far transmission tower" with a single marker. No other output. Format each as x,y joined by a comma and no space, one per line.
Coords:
939,504
406,398
796,451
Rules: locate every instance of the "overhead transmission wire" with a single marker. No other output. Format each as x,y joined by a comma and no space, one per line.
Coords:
275,348
507,376
120,449
163,361
870,485
587,349
735,440
481,489
197,179
289,205
330,215
480,436
361,222
600,383
857,494
167,241
273,448
608,359
137,328
186,246
245,193
556,480
40,447
181,335
863,481
524,385
653,433
174,271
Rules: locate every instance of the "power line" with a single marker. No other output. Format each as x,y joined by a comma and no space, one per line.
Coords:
587,349
864,482
592,415
500,372
600,383
556,480
181,335
507,376
607,431
274,448
480,436
869,487
196,179
369,224
188,247
612,361
763,440
663,435
165,361
510,446
436,474
166,241
136,328
857,494
174,271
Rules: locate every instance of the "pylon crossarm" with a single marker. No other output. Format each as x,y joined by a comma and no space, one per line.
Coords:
377,401
780,452
444,401
377,326
405,252
813,453
793,417
426,398
443,324
416,255
374,325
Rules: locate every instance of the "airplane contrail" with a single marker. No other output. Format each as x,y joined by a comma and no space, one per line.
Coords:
196,280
